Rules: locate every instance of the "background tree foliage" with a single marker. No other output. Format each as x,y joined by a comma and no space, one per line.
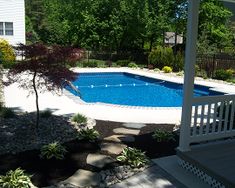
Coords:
112,25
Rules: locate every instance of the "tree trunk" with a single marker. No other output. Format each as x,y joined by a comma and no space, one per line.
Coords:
175,46
36,95
151,44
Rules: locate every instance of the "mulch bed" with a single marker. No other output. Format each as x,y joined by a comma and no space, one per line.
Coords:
51,172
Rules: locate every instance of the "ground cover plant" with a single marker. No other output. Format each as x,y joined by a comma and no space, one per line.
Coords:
79,119
53,150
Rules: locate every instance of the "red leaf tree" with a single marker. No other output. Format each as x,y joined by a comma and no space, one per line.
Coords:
44,68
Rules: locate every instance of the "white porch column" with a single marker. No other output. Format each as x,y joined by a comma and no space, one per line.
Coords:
189,67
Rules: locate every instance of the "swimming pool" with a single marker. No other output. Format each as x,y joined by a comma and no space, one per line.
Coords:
133,90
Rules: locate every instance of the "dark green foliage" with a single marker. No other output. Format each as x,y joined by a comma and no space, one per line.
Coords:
15,179
132,65
161,57
223,74
123,63
133,157
53,150
88,134
163,136
46,114
6,112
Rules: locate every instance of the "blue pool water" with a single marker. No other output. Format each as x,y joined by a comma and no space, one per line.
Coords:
133,90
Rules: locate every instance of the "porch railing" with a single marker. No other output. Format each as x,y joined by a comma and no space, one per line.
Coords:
212,118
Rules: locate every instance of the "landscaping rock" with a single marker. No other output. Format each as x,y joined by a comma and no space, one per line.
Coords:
126,131
120,138
99,160
84,178
113,148
134,125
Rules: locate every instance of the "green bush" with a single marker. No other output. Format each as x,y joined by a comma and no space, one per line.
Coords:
163,136
53,150
46,113
88,134
223,74
80,119
133,157
167,69
123,63
181,73
90,63
157,70
6,112
7,55
15,179
161,57
132,65
178,64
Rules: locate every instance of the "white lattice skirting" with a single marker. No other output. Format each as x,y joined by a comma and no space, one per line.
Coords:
199,173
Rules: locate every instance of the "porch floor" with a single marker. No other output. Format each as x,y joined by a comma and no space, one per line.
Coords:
216,159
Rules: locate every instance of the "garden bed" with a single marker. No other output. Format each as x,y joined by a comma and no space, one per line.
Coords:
50,172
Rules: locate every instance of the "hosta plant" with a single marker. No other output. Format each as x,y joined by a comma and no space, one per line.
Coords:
53,150
15,179
88,134
163,136
133,157
46,114
79,119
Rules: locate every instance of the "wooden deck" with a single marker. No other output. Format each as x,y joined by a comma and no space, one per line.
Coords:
217,160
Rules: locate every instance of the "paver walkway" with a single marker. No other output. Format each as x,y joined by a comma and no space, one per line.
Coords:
153,177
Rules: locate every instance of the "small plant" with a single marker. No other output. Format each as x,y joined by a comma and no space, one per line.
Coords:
6,112
163,136
167,69
133,157
53,150
46,113
79,119
88,134
15,179
223,74
132,65
181,73
157,70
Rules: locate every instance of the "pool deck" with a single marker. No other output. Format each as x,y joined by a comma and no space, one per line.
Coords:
66,103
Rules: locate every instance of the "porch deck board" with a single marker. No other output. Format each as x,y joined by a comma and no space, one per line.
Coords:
217,160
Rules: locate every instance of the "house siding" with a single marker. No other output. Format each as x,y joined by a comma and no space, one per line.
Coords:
14,11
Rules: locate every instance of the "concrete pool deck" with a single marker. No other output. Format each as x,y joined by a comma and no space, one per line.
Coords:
65,103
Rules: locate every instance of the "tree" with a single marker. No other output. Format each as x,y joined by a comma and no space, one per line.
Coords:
213,22
43,68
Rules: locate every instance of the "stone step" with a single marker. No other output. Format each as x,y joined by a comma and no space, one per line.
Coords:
112,148
126,131
98,160
120,138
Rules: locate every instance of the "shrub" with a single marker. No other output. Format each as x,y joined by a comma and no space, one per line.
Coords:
178,62
7,56
90,63
53,150
88,134
133,157
80,119
161,57
46,113
167,69
132,65
162,136
15,179
157,70
123,63
223,74
181,73
6,112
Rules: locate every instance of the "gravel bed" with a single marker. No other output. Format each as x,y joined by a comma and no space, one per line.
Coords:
19,133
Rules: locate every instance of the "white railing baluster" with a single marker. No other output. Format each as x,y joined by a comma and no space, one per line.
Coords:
195,120
202,120
208,118
214,118
232,116
227,106
221,113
